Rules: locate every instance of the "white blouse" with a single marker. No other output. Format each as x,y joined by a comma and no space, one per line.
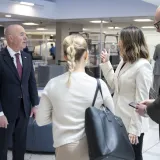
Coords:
65,106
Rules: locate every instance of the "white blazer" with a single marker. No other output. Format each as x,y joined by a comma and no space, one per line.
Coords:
130,84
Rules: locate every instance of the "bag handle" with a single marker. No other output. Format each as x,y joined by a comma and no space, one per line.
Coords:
98,88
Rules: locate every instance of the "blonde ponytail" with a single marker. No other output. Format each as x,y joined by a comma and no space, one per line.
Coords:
71,52
74,47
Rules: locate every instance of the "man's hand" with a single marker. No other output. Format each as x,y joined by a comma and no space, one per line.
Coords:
33,112
133,139
141,109
3,122
147,102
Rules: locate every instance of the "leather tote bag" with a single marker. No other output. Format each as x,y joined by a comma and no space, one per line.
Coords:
106,134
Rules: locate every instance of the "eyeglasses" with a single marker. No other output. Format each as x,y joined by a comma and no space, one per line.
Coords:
157,25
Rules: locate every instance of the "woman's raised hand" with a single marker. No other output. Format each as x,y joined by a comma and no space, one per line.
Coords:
105,56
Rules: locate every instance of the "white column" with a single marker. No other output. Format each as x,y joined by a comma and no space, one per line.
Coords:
62,31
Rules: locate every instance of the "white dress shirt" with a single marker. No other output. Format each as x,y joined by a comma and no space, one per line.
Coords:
65,106
12,54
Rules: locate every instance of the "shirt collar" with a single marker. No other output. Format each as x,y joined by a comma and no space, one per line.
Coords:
12,52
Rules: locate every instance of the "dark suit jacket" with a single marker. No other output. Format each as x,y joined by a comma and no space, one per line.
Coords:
156,57
153,110
12,88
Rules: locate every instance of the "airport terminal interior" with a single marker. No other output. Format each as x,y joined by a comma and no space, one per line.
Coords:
48,22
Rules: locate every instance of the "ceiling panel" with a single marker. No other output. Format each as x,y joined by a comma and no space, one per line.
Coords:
155,2
49,0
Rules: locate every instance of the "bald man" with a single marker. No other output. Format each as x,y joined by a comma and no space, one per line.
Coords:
152,107
18,93
157,19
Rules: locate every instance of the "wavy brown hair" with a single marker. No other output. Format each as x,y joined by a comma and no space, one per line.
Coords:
134,45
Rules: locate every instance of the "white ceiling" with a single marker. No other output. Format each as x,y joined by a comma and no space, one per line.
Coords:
51,24
18,19
49,0
120,21
155,2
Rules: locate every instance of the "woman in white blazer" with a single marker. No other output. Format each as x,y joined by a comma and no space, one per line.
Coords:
65,99
131,82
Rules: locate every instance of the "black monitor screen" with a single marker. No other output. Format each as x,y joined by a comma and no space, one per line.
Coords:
1,31
114,59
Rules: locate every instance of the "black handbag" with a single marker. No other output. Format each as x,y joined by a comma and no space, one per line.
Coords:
106,134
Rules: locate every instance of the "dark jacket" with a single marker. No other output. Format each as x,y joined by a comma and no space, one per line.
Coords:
156,57
12,88
153,110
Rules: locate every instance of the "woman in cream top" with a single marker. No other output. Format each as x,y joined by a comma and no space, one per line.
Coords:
131,82
65,99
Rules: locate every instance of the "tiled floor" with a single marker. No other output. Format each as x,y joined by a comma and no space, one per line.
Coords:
151,147
151,144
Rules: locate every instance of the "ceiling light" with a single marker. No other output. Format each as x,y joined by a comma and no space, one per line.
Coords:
98,21
117,28
41,29
27,3
143,20
30,24
114,28
8,16
85,29
148,27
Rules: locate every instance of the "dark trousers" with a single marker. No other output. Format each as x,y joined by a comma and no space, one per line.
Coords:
17,131
138,148
53,57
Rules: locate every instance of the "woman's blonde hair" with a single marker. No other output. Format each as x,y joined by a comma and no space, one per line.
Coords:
74,47
133,44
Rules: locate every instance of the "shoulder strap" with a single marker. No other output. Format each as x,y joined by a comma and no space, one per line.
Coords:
96,92
99,87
